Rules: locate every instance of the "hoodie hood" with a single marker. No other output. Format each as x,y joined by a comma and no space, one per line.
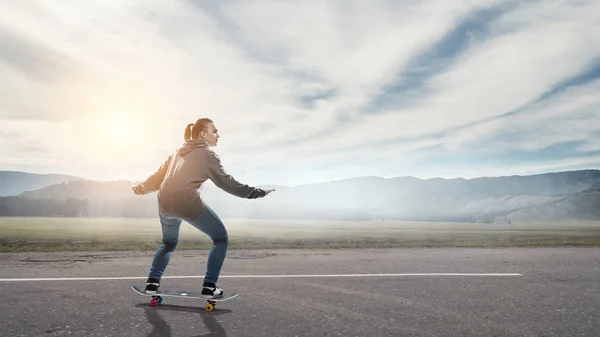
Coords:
191,145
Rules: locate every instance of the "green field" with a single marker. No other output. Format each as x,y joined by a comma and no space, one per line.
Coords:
92,234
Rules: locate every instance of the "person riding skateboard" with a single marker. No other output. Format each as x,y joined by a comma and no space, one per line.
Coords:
177,182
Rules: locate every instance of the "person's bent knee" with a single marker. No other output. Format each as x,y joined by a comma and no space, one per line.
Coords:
170,245
224,240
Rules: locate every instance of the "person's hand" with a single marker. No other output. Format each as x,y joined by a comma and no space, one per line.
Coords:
269,191
137,188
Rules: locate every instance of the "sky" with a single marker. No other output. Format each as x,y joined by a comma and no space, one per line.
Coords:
301,91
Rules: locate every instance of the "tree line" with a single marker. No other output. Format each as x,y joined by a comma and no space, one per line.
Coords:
140,208
73,207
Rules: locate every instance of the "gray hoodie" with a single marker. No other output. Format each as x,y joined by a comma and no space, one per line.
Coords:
179,178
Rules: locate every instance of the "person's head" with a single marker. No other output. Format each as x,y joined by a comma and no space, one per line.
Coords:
204,128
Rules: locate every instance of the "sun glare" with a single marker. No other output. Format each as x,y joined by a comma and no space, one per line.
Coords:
117,134
117,128
115,143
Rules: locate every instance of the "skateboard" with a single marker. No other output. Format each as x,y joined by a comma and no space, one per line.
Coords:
158,297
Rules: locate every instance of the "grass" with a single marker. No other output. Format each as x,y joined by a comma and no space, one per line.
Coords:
26,234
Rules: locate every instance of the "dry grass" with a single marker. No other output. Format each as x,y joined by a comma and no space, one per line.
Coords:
58,234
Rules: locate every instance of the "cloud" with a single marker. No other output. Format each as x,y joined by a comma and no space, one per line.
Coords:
411,82
566,116
502,73
301,89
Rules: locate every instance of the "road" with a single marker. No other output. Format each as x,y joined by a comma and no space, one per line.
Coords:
379,292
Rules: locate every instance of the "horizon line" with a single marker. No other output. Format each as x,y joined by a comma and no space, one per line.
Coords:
330,181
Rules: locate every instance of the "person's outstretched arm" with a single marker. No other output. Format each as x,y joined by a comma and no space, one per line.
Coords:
153,182
227,183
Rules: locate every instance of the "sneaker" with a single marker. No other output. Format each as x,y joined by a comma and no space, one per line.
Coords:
210,290
152,286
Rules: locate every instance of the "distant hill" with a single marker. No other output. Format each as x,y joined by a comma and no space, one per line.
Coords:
83,189
582,206
14,182
560,195
409,198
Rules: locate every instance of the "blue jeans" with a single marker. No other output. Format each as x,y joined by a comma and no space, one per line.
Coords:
209,223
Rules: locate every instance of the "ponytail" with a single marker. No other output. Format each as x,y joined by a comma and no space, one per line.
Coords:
187,134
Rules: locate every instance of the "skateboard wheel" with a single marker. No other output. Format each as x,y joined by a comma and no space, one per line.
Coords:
160,299
209,307
154,302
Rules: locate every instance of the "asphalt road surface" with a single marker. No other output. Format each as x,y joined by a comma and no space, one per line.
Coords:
382,292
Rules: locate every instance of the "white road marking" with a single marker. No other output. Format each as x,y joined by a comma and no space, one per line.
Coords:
255,276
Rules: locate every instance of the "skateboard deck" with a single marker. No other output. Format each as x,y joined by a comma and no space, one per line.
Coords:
158,297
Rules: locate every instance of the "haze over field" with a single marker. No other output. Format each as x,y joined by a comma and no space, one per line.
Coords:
573,195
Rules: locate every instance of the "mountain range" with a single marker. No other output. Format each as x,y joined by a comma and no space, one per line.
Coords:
15,182
568,195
